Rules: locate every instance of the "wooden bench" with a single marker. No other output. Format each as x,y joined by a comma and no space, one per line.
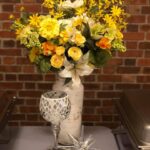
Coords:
7,102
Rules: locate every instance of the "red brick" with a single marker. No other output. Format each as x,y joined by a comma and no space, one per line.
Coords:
11,85
10,52
109,78
50,77
89,94
29,8
91,86
28,69
128,70
32,102
30,85
132,28
132,53
131,45
109,69
8,43
124,86
145,28
11,1
45,86
105,110
138,2
130,62
88,110
128,78
144,62
32,117
134,36
9,60
92,103
27,109
137,19
148,36
31,93
115,61
144,45
23,61
146,70
7,7
90,78
108,103
30,77
29,1
91,117
134,9
149,19
10,69
1,77
146,10
7,34
107,86
108,94
6,25
18,117
145,79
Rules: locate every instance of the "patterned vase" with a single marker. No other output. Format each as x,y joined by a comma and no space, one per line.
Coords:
71,125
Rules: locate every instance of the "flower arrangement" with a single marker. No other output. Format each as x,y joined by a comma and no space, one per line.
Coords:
75,37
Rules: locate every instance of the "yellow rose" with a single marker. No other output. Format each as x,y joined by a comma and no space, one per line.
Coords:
60,50
79,39
57,61
75,53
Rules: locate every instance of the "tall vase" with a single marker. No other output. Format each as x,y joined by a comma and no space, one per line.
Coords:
71,125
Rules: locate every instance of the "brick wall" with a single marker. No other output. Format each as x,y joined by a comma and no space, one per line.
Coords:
129,70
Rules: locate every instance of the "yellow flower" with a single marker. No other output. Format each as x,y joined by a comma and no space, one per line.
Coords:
22,8
57,61
79,39
60,50
33,54
49,28
64,35
34,20
77,22
11,16
116,11
75,53
80,11
119,35
48,3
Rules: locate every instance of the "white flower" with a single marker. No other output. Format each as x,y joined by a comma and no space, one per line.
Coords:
68,4
74,71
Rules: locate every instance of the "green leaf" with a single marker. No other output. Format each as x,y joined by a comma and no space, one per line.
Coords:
94,9
99,57
86,32
44,66
24,17
69,13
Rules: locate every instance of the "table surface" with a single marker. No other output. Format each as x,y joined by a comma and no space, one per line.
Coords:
39,138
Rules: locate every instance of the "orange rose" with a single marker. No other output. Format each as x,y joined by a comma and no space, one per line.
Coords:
103,43
48,48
